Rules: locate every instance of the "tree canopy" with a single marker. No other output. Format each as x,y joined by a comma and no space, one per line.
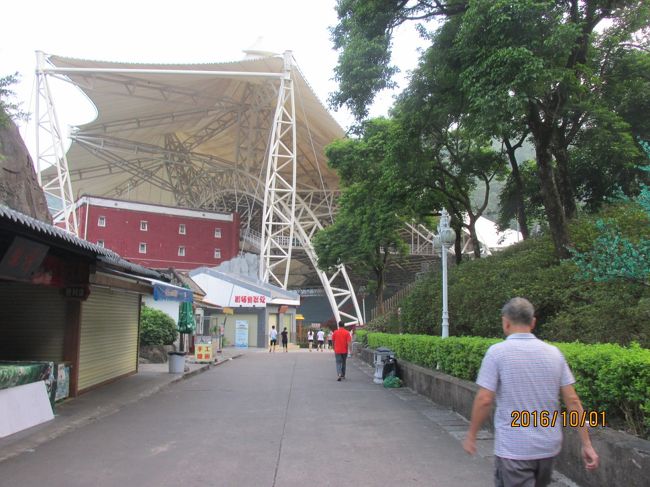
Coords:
551,71
365,234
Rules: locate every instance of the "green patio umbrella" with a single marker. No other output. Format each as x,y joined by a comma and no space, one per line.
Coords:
186,323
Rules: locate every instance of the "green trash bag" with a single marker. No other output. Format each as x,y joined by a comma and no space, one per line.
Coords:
392,382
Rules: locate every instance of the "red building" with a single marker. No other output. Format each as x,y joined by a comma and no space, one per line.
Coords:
157,236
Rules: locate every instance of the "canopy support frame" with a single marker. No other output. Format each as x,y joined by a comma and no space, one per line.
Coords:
53,154
287,211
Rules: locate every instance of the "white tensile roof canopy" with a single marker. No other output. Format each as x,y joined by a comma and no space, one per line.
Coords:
211,136
178,138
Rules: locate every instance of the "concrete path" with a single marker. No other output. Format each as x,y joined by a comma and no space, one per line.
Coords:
262,420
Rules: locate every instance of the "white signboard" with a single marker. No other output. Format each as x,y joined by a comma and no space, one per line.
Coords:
241,333
24,406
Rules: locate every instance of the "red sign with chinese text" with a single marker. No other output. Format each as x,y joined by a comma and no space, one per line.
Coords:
244,299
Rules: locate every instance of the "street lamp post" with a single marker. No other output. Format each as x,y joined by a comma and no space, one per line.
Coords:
447,238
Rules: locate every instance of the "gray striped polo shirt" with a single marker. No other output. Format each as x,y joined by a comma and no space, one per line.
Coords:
526,374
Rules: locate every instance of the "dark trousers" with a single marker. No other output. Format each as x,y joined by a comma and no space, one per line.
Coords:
340,363
522,473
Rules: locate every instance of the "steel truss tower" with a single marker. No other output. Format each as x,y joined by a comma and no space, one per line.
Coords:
51,153
292,211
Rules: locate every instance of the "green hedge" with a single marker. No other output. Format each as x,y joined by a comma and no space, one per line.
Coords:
609,377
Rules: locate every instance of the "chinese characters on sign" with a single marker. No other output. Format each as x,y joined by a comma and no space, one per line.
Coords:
23,258
203,352
241,333
250,299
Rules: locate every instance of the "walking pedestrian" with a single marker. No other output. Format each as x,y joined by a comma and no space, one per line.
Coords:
329,340
274,338
523,373
321,339
310,339
285,339
341,339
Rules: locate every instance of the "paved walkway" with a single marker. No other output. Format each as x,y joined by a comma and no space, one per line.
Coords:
102,402
262,420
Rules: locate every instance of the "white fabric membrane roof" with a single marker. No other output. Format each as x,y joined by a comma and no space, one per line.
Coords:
192,140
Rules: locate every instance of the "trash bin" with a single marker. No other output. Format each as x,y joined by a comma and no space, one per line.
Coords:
382,356
176,362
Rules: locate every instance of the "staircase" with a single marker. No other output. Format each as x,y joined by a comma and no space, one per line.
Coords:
393,302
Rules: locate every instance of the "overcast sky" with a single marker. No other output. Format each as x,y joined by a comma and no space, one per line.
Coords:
176,31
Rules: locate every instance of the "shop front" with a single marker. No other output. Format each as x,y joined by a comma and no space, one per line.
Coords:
70,315
251,307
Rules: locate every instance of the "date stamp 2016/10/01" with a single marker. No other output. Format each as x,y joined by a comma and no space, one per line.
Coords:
548,419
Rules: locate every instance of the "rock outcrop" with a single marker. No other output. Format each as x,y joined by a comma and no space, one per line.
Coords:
19,188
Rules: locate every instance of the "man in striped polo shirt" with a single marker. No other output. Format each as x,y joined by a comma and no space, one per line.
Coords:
525,374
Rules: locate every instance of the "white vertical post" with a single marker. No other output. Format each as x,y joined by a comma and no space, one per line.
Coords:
447,237
279,212
445,308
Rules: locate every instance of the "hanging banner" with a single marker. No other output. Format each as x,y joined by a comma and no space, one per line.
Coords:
166,292
241,333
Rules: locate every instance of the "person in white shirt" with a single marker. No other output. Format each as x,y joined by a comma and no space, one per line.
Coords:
310,339
274,338
525,374
321,339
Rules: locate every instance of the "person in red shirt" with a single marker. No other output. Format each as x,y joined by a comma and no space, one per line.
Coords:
342,340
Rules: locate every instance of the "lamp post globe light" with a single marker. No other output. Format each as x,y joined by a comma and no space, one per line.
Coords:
447,238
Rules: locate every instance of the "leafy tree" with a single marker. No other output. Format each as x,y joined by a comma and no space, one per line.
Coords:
438,154
364,38
8,108
156,327
530,62
540,58
528,190
365,234
615,256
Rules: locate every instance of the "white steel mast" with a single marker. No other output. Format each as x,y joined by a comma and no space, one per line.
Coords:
52,153
280,188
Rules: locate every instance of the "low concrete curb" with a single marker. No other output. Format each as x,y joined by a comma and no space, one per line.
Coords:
625,459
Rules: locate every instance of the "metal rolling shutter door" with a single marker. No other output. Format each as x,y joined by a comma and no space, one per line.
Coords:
109,336
33,322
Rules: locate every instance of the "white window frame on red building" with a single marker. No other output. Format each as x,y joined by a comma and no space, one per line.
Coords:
182,229
142,248
144,225
101,221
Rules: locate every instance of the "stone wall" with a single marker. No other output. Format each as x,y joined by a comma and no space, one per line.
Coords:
625,459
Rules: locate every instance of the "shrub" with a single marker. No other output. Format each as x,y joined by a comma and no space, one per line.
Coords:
608,377
567,308
361,336
156,327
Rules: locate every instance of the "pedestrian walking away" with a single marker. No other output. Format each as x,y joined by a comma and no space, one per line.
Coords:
329,340
342,341
274,338
285,339
321,339
525,375
310,339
